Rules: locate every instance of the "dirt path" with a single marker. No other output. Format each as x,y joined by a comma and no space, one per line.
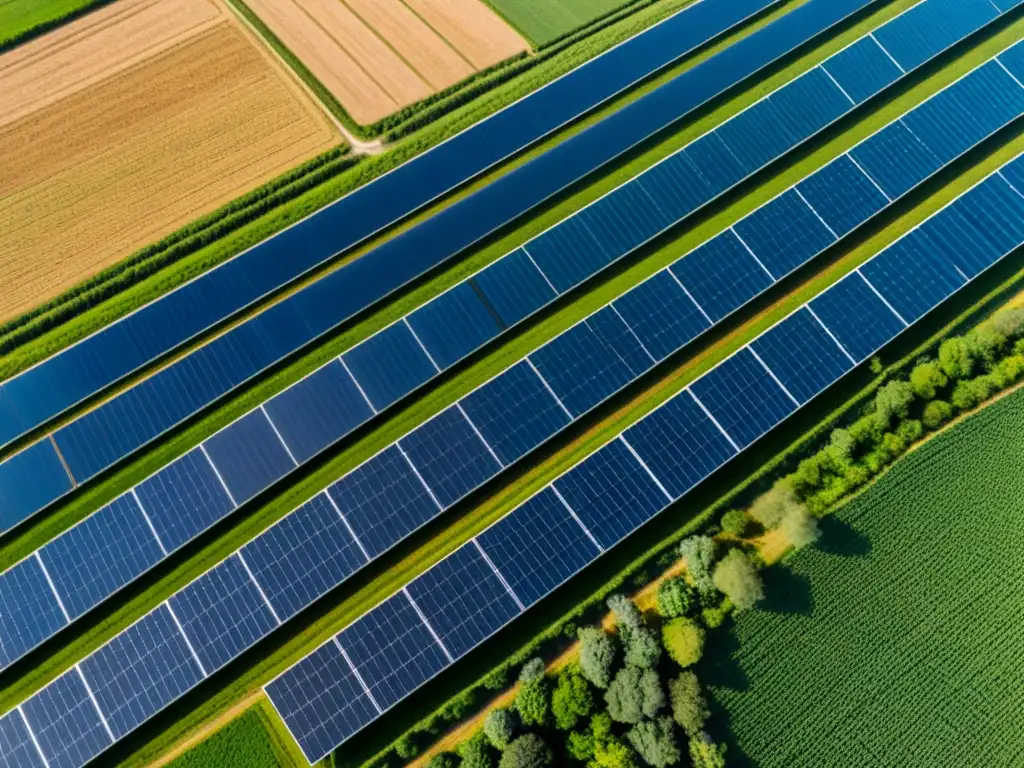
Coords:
207,729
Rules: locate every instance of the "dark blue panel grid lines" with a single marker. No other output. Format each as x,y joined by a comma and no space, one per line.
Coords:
862,69
389,365
514,287
843,195
619,339
29,610
918,34
810,102
29,481
17,748
661,315
249,455
454,325
856,316
67,726
895,159
784,233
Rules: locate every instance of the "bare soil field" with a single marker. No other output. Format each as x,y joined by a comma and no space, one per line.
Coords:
126,124
377,56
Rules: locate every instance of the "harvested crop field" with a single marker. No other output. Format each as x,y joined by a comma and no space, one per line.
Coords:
122,126
377,56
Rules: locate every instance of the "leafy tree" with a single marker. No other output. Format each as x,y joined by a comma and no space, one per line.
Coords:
527,751
986,344
734,522
926,379
698,554
407,747
736,578
532,669
841,445
499,727
704,753
800,528
876,365
444,760
675,597
476,752
597,656
893,445
1009,370
655,742
769,508
866,432
936,413
641,646
893,401
634,694
909,430
955,358
627,615
601,725
612,753
964,396
532,702
580,745
689,707
684,641
571,700
1009,322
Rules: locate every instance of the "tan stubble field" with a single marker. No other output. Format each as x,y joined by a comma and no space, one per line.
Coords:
128,123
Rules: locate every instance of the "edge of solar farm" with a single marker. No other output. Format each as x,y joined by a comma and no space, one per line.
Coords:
56,469
137,645
618,67
352,661
128,513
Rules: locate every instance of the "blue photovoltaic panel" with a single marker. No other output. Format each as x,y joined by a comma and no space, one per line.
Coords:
29,613
222,613
389,365
1013,173
463,600
140,671
454,325
928,28
318,410
611,493
716,166
321,701
1006,5
801,355
383,500
580,369
183,499
65,722
863,69
1013,59
911,276
625,218
29,481
248,455
619,339
537,546
515,412
514,287
856,316
721,275
450,456
743,398
101,554
680,444
568,253
392,650
842,195
784,233
809,103
307,553
16,747
757,135
662,316
666,183
895,159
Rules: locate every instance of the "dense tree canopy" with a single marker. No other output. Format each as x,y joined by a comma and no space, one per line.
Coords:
676,597
698,554
500,727
572,700
736,578
527,751
684,641
655,742
598,654
689,707
634,694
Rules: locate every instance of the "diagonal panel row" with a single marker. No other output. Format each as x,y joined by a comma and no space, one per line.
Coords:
441,615
30,399
557,532
440,462
404,356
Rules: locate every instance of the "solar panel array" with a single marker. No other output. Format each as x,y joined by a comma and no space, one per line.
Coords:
107,434
471,594
498,423
440,616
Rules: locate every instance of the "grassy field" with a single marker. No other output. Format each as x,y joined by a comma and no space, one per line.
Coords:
893,642
21,19
255,739
549,20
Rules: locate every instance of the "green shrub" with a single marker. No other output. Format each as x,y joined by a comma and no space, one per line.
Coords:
476,752
986,344
698,554
533,701
407,747
500,727
683,640
704,753
926,379
655,742
675,598
737,579
580,746
800,528
527,751
571,701
444,760
689,707
955,358
893,402
735,522
641,647
910,431
936,413
627,615
598,654
769,508
634,694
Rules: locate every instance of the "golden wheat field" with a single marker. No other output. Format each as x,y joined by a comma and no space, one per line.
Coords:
122,126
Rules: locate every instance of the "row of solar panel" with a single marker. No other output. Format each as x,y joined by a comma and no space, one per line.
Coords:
498,298
439,463
319,545
31,399
440,616
404,356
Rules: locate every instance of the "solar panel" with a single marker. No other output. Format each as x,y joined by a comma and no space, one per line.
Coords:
915,36
66,723
895,159
515,412
222,613
140,671
449,455
717,167
383,500
611,493
463,600
863,69
454,325
92,560
743,398
721,275
29,612
662,182
248,455
538,546
29,481
661,315
1013,58
318,410
16,747
302,556
183,499
679,444
784,233
625,218
843,195
757,135
810,102
514,287
568,253
392,649
389,365
856,316
619,339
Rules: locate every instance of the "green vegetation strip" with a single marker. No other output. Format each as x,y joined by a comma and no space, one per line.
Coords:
255,739
544,23
22,20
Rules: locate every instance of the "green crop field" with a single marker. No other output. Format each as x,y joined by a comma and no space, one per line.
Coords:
250,741
18,18
546,21
895,642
